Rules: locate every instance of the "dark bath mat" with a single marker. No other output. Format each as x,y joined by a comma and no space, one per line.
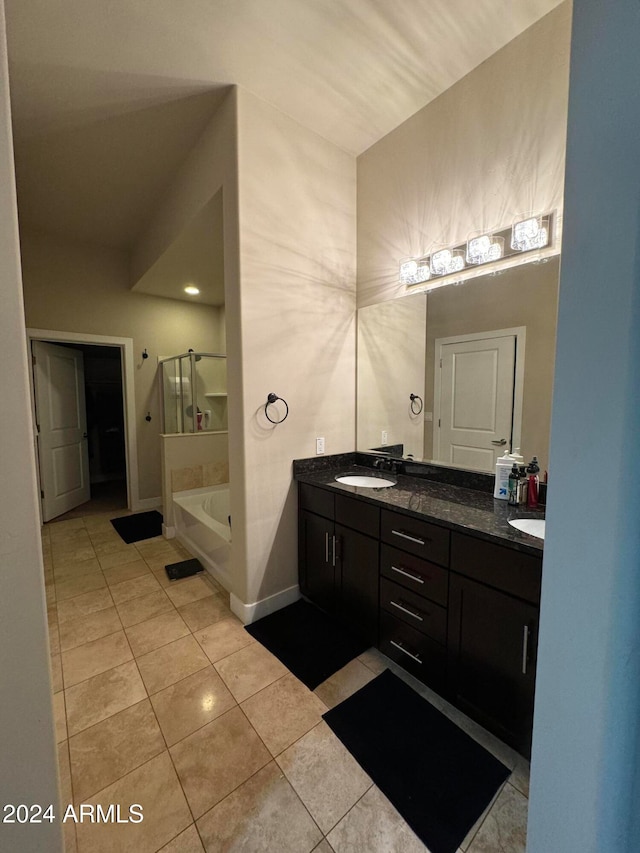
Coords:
307,641
141,525
437,777
183,569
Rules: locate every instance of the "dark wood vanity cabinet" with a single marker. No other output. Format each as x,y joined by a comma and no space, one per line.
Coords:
414,592
458,612
338,558
494,597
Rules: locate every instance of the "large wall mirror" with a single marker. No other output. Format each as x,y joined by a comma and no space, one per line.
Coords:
478,359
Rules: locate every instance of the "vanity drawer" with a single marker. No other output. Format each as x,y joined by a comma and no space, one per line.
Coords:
416,536
415,574
415,652
358,515
421,614
316,500
505,569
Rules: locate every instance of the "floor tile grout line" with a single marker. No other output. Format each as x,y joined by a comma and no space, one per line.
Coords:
494,800
144,687
95,640
351,808
122,710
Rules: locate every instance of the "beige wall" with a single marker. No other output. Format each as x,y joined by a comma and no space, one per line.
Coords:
521,296
297,226
74,287
488,150
27,740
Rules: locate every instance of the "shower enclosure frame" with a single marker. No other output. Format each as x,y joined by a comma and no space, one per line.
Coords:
193,357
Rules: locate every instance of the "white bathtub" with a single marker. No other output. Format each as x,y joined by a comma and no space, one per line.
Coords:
201,519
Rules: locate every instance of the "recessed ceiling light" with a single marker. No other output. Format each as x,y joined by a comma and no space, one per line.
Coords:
191,290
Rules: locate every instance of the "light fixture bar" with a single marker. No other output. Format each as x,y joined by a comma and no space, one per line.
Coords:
525,235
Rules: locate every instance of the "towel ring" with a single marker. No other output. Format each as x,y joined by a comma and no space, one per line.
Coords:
413,398
272,398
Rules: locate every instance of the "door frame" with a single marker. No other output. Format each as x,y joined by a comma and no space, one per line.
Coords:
128,398
520,334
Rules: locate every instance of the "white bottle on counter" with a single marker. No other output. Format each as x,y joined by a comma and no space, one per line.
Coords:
503,469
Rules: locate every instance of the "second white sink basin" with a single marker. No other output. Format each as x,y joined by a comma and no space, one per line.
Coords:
532,526
365,482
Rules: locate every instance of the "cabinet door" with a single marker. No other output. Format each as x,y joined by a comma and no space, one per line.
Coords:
317,560
359,581
492,659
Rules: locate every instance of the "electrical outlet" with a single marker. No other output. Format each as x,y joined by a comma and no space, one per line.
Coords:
384,437
319,445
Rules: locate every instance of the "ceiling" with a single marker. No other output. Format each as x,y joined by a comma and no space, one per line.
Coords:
109,97
195,258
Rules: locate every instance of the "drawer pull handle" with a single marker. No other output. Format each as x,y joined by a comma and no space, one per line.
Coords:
410,538
415,578
326,547
525,648
405,652
408,612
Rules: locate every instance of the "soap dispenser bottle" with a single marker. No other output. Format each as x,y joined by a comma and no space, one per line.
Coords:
503,467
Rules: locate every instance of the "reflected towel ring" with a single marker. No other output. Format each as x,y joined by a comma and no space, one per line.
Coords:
413,398
272,398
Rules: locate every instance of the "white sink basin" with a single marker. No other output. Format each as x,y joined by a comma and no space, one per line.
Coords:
365,482
532,526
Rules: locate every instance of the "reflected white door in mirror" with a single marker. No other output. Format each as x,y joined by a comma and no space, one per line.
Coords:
478,397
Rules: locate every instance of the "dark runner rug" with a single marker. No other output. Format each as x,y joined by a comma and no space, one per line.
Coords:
141,525
437,777
307,641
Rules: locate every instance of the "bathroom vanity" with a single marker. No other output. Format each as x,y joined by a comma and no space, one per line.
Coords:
435,577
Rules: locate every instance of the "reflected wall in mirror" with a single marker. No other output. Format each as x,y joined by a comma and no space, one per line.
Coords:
390,359
391,367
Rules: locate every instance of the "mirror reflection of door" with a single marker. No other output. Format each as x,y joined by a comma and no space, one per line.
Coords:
478,395
62,420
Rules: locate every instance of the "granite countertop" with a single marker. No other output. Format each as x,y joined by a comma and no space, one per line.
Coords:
461,509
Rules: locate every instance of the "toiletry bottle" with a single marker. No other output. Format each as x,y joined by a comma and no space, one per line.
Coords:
522,485
517,457
533,481
514,482
503,467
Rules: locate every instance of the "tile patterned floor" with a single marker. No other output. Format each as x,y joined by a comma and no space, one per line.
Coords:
162,698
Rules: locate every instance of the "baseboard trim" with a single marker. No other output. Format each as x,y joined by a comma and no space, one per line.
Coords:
248,613
168,532
146,503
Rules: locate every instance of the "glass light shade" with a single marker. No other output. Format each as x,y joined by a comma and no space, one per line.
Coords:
191,290
414,272
447,261
484,249
530,234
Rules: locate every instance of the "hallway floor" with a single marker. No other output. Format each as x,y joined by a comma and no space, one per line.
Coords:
163,699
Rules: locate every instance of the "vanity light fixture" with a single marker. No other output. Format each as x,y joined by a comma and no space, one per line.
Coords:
530,234
414,272
498,246
447,261
191,290
484,249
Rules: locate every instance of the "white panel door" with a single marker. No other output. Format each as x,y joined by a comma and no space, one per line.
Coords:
476,401
62,421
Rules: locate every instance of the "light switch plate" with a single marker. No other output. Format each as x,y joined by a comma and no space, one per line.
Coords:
384,438
319,445
428,416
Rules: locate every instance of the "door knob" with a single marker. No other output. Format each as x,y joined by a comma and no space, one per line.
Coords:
500,443
84,435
